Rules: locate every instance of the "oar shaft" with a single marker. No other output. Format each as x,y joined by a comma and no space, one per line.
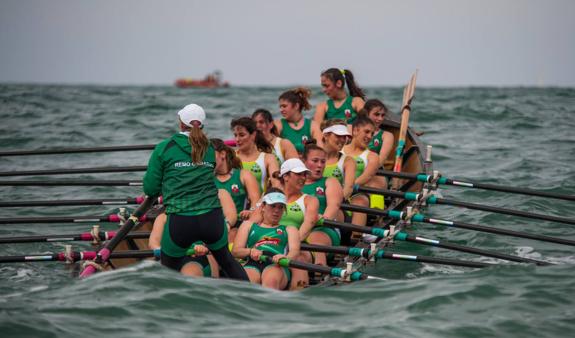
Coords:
76,256
74,171
70,219
87,236
77,150
128,201
485,186
69,183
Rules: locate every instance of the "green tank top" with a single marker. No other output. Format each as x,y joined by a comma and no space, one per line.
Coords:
298,137
258,169
335,169
295,213
361,162
345,111
317,189
376,142
274,240
234,186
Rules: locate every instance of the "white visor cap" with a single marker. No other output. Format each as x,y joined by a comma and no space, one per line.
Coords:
337,129
190,113
294,165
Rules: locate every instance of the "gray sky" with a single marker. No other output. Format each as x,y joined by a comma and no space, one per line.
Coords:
266,42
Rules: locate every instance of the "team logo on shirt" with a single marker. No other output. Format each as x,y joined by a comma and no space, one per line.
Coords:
376,142
347,113
304,139
319,191
235,188
337,173
266,240
279,231
256,169
295,208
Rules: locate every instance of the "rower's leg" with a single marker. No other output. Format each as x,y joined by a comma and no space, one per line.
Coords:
274,277
254,275
229,265
359,218
193,269
319,238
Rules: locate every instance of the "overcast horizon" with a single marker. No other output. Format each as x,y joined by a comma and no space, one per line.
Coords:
507,43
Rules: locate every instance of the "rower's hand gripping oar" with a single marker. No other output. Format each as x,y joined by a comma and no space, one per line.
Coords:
422,177
104,254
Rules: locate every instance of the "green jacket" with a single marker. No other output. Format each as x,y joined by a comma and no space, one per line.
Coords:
187,188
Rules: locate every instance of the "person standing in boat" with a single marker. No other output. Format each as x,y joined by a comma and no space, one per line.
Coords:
339,105
241,185
366,162
294,126
270,238
255,152
329,194
283,148
338,165
181,169
302,209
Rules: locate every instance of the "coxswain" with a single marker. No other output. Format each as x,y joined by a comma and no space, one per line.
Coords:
340,104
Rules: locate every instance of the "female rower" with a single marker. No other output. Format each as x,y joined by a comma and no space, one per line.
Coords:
366,162
283,148
294,126
339,105
338,165
181,168
382,141
255,152
198,264
239,183
270,238
329,193
302,209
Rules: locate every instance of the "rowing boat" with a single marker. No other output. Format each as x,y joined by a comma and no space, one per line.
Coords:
413,162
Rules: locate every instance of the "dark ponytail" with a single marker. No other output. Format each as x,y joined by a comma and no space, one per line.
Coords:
232,160
346,77
267,116
299,95
370,104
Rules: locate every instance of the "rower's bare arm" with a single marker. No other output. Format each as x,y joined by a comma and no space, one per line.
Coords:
272,166
228,206
157,230
320,110
239,249
288,149
370,170
386,147
310,217
348,177
316,133
357,103
334,197
252,187
278,124
293,242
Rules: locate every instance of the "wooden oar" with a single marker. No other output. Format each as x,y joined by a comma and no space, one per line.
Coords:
385,254
403,236
95,170
112,218
408,93
86,237
76,256
70,183
104,254
109,201
411,196
326,270
455,224
468,184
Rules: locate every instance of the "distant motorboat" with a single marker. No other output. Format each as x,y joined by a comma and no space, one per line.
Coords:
213,80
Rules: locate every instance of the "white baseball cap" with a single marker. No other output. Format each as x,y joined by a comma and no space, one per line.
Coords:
338,129
294,165
274,197
192,112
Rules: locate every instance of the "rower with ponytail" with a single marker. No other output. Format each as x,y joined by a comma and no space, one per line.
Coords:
181,168
340,104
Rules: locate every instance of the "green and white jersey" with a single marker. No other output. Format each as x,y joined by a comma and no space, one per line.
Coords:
335,169
317,189
234,186
376,142
274,240
187,188
278,151
361,162
258,169
295,212
344,112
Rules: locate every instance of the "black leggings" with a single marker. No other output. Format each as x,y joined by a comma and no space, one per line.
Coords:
208,228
